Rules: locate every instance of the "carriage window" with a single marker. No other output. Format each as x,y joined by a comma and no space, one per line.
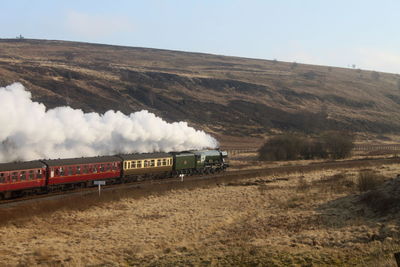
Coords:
94,169
133,164
115,166
159,162
78,170
108,167
14,176
39,174
126,165
152,163
164,162
22,176
85,169
2,179
70,171
139,164
61,171
31,175
145,163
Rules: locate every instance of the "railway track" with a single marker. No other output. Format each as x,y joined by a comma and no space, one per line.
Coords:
176,183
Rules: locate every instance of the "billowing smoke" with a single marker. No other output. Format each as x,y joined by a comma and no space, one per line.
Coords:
28,131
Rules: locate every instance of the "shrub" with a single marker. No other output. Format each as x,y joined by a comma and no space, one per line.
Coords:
379,201
284,147
302,185
311,75
338,183
338,144
375,75
368,180
291,147
313,148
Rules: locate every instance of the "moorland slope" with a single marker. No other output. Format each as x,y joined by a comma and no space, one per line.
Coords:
220,94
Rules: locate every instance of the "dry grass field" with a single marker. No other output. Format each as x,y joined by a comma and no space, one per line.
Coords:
306,219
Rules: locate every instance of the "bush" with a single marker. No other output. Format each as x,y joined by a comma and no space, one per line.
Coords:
368,180
337,183
291,147
338,144
302,185
375,75
379,201
313,148
284,147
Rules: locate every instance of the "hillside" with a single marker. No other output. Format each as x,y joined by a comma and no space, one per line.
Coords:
223,95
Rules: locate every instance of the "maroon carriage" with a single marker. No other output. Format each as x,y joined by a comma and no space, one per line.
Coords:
68,173
19,178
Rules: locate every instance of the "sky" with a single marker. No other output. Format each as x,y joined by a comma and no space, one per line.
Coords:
364,33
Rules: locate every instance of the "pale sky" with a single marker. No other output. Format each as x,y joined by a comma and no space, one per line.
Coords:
337,33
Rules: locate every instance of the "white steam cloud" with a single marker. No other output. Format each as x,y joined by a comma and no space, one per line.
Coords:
28,131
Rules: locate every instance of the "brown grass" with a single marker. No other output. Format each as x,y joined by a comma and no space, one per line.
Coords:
306,219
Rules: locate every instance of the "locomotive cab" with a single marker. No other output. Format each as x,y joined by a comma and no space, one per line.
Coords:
224,158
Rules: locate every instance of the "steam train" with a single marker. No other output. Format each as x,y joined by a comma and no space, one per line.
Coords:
44,176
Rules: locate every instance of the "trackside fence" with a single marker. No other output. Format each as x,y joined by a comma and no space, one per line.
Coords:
391,147
240,151
358,147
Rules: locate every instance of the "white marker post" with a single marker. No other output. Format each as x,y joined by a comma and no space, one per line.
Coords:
181,176
99,183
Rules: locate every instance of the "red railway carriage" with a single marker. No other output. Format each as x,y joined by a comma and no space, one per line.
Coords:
17,178
82,171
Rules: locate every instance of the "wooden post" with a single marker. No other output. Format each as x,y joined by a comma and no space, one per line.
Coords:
397,257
